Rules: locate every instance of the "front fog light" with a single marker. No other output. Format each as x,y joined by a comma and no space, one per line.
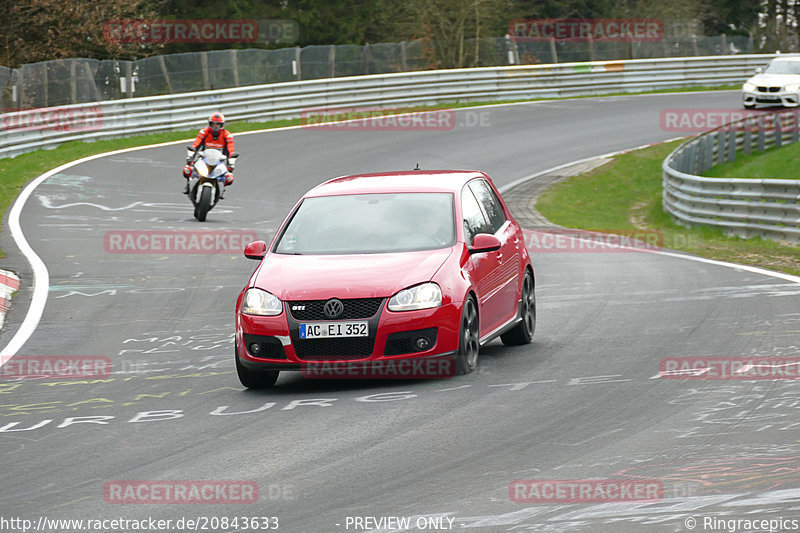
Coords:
255,348
422,344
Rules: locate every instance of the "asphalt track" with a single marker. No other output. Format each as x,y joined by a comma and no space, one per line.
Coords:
582,401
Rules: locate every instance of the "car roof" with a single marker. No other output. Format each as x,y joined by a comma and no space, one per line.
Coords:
391,182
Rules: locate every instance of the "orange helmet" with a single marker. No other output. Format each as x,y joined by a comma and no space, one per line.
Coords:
216,117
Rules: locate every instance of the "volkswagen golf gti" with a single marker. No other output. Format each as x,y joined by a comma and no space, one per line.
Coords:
382,269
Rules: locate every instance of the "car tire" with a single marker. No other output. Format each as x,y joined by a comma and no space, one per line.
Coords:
255,379
523,332
469,344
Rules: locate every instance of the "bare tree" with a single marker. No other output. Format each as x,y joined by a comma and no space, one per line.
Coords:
447,25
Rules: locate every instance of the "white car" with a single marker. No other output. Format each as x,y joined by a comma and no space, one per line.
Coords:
776,85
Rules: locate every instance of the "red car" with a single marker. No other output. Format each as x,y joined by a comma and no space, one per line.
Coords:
385,268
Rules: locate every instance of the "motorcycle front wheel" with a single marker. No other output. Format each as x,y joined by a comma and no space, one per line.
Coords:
204,205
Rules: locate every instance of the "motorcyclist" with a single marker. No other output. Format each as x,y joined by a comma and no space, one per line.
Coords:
213,136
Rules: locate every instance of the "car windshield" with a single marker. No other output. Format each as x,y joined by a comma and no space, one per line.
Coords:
370,223
783,67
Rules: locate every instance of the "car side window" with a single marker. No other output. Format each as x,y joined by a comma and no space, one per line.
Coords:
474,220
490,203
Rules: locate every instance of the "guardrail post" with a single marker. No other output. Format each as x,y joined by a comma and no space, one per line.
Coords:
332,59
761,133
45,85
724,44
795,127
553,51
296,70
164,73
732,144
403,56
778,131
366,57
129,78
73,83
592,51
691,158
21,89
747,145
204,68
235,66
709,152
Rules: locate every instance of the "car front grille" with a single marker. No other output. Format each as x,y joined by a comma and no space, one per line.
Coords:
342,349
354,309
763,89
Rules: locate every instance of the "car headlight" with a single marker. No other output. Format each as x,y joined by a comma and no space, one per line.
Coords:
423,296
792,88
258,302
749,87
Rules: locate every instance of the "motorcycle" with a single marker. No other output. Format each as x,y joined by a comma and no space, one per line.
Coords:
207,182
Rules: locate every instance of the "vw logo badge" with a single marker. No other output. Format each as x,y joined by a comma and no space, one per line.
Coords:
333,308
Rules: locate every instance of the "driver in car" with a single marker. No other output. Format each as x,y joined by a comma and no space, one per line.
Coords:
425,229
213,136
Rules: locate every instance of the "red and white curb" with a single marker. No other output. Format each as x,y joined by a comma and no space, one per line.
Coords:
9,284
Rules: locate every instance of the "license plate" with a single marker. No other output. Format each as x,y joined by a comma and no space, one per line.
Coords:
334,329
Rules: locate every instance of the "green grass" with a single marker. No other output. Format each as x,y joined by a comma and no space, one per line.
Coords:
780,163
16,172
625,195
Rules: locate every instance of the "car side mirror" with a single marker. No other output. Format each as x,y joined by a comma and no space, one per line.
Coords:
483,242
256,250
759,70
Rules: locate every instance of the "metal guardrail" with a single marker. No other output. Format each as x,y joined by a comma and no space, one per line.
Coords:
45,128
746,207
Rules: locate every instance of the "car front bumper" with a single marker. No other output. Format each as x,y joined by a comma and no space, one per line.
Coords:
767,99
392,340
